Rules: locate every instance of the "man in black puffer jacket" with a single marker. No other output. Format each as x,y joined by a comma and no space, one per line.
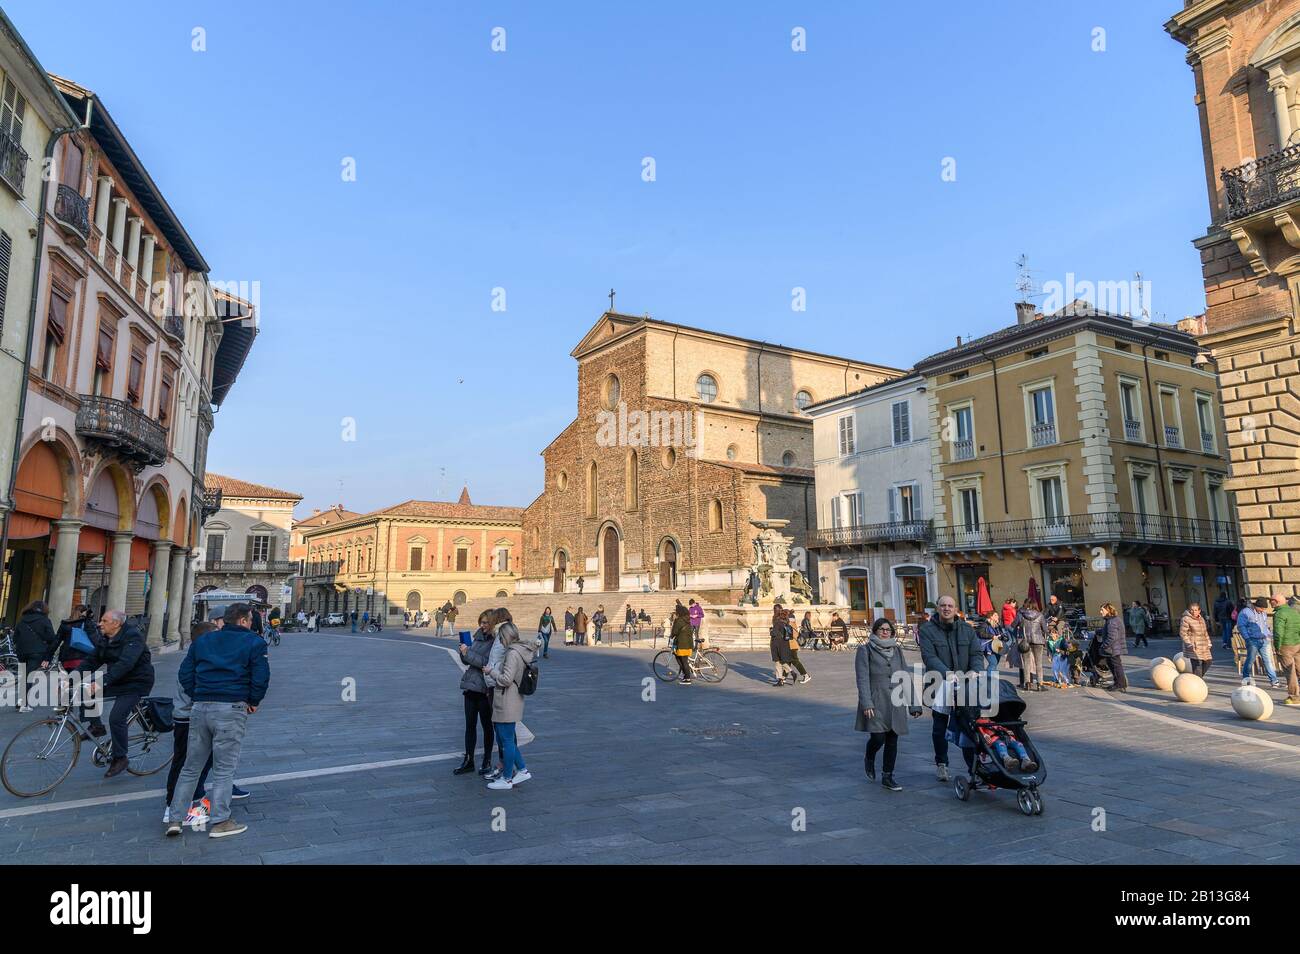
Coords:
34,640
948,645
129,676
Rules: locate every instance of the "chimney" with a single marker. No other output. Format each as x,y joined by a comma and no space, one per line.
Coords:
959,341
315,510
1025,312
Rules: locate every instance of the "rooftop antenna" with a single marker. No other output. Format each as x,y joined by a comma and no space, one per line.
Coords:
1025,283
1143,314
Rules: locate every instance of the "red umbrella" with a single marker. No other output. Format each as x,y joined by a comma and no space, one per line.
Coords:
1033,592
983,603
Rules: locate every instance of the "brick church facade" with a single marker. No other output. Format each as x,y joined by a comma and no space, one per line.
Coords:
682,437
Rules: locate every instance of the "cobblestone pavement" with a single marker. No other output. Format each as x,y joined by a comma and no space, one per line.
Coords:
700,774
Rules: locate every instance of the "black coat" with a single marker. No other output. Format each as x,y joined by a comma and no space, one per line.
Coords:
1114,640
130,667
780,636
942,653
34,636
63,649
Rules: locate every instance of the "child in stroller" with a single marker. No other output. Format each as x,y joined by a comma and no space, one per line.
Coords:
1005,756
1092,662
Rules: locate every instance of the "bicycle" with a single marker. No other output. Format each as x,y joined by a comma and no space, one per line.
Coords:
273,637
707,664
8,657
42,755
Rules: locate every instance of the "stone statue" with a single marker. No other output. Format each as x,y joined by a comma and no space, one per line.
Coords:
800,587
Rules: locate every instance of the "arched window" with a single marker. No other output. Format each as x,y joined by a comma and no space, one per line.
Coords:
715,514
787,459
732,451
631,490
460,598
611,392
537,538
413,600
591,490
802,399
706,386
502,594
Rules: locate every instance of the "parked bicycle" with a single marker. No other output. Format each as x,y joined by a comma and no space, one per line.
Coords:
42,755
8,657
707,664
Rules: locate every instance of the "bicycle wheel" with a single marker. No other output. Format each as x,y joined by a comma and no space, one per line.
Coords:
665,666
39,757
712,666
146,752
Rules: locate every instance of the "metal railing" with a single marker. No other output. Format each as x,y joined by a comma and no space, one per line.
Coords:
896,531
1043,433
124,428
1262,183
1088,528
1133,430
1172,437
1207,444
174,327
72,211
211,502
250,566
13,162
963,450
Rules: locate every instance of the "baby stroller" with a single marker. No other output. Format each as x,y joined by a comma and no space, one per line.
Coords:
1093,664
989,771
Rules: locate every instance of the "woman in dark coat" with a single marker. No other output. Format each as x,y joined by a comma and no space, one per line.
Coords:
477,695
881,667
1114,644
782,656
34,643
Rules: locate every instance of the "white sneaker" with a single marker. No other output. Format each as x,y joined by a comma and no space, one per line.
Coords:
522,775
807,677
501,784
167,814
29,708
941,772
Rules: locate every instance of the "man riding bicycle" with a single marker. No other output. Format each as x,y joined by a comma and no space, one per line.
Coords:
128,677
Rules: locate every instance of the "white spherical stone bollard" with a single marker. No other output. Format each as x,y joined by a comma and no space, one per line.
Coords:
1180,662
1252,702
1189,687
1164,675
1161,661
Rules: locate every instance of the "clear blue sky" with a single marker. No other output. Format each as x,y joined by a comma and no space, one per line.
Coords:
522,170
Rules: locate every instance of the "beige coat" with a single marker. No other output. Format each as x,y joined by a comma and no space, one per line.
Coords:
507,703
1195,635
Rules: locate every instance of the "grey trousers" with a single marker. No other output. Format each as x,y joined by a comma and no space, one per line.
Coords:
216,728
1033,663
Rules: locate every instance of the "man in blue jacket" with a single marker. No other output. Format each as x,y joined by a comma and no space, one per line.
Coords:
226,674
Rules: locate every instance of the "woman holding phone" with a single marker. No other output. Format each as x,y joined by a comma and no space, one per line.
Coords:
478,697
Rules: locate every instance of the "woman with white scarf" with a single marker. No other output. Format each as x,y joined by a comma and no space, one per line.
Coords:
884,697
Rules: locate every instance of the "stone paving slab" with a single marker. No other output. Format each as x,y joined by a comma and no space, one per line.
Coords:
717,774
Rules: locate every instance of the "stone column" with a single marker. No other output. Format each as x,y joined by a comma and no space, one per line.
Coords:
1277,85
64,577
119,224
133,242
105,194
187,602
157,592
146,267
175,592
119,574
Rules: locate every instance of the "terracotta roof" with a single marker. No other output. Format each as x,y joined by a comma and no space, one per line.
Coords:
435,509
321,519
233,487
766,469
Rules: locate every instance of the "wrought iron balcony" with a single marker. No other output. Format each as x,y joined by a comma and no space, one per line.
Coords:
896,531
72,211
1087,528
1172,437
13,163
124,429
1262,184
963,450
211,502
1207,444
1133,430
1043,433
174,327
271,567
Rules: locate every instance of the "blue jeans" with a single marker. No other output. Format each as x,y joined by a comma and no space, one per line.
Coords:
216,731
546,643
1225,630
1060,669
991,662
1255,647
511,759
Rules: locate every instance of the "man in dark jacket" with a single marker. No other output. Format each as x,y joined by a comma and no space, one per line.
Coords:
948,646
34,643
1223,618
128,677
226,674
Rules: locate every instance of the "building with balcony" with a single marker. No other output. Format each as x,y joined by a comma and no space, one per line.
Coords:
1082,451
1245,60
414,556
298,545
31,108
871,457
244,545
130,351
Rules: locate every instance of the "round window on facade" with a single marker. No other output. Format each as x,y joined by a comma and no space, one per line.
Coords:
612,392
562,480
669,458
802,400
706,386
731,452
787,459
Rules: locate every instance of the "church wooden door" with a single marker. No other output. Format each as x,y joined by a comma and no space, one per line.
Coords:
611,558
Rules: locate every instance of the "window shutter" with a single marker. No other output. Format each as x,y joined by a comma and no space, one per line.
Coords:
270,549
835,511
6,247
902,423
893,505
248,549
916,502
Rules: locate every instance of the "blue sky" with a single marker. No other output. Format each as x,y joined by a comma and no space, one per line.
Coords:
523,170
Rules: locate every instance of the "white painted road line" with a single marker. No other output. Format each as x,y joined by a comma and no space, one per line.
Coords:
1195,726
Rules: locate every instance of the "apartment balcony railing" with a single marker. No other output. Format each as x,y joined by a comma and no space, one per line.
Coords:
321,571
1087,528
1133,430
72,211
174,327
124,429
963,450
1263,183
13,163
211,502
272,567
897,531
1043,434
1172,437
1207,444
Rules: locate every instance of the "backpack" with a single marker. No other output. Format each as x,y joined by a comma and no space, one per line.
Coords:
158,712
528,678
80,640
